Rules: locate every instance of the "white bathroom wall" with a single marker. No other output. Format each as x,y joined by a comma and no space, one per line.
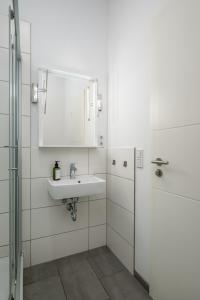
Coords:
76,42
67,35
129,102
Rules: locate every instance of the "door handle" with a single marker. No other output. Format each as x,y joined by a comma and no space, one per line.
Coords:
159,162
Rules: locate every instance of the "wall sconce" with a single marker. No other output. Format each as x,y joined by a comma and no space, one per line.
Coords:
36,91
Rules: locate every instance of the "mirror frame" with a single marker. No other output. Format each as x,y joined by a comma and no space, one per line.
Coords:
42,91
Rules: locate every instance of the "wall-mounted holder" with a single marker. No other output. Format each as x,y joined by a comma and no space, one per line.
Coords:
125,164
35,92
99,103
101,140
114,162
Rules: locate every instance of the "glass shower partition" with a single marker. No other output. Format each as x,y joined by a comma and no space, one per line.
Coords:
15,157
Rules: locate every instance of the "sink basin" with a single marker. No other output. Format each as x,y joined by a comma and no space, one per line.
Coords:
85,185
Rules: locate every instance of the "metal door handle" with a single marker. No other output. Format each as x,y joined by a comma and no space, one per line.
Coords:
159,162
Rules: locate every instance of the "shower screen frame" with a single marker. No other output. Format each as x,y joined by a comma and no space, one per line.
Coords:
15,155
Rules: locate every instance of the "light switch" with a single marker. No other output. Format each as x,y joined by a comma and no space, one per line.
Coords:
139,158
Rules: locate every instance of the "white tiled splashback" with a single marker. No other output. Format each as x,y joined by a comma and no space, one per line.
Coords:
51,224
48,231
120,204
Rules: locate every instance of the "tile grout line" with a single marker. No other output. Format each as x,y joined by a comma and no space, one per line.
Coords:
61,281
120,206
99,279
60,233
122,177
125,240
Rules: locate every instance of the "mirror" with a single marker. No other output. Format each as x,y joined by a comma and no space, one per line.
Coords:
67,109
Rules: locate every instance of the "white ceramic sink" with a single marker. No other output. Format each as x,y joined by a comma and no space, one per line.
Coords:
85,185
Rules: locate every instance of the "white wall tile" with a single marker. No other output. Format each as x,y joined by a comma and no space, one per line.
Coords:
39,194
26,68
26,194
4,130
4,251
43,161
121,191
34,125
4,234
26,225
26,101
25,41
25,131
100,196
4,200
4,163
26,163
97,160
97,212
121,220
4,63
4,34
4,97
120,248
97,236
4,223
53,220
120,155
50,248
26,249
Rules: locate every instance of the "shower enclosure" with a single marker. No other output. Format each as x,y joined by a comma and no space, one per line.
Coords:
12,266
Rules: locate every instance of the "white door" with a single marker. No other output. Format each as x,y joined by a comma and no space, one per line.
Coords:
175,260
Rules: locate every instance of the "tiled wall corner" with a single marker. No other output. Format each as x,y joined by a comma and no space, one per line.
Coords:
120,204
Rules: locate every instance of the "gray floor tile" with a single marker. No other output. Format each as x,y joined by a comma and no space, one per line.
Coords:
123,286
72,259
104,262
47,289
79,280
40,272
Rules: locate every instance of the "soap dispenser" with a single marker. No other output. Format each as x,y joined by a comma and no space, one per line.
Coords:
56,171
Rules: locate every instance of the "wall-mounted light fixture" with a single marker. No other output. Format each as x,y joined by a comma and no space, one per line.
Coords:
36,90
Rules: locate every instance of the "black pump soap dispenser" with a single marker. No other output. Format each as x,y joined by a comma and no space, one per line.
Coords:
56,171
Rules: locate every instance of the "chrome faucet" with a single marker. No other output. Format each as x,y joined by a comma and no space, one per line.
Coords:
73,170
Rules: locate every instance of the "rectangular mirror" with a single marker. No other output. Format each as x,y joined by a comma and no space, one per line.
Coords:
67,109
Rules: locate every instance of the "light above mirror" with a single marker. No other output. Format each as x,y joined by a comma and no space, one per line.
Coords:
68,109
